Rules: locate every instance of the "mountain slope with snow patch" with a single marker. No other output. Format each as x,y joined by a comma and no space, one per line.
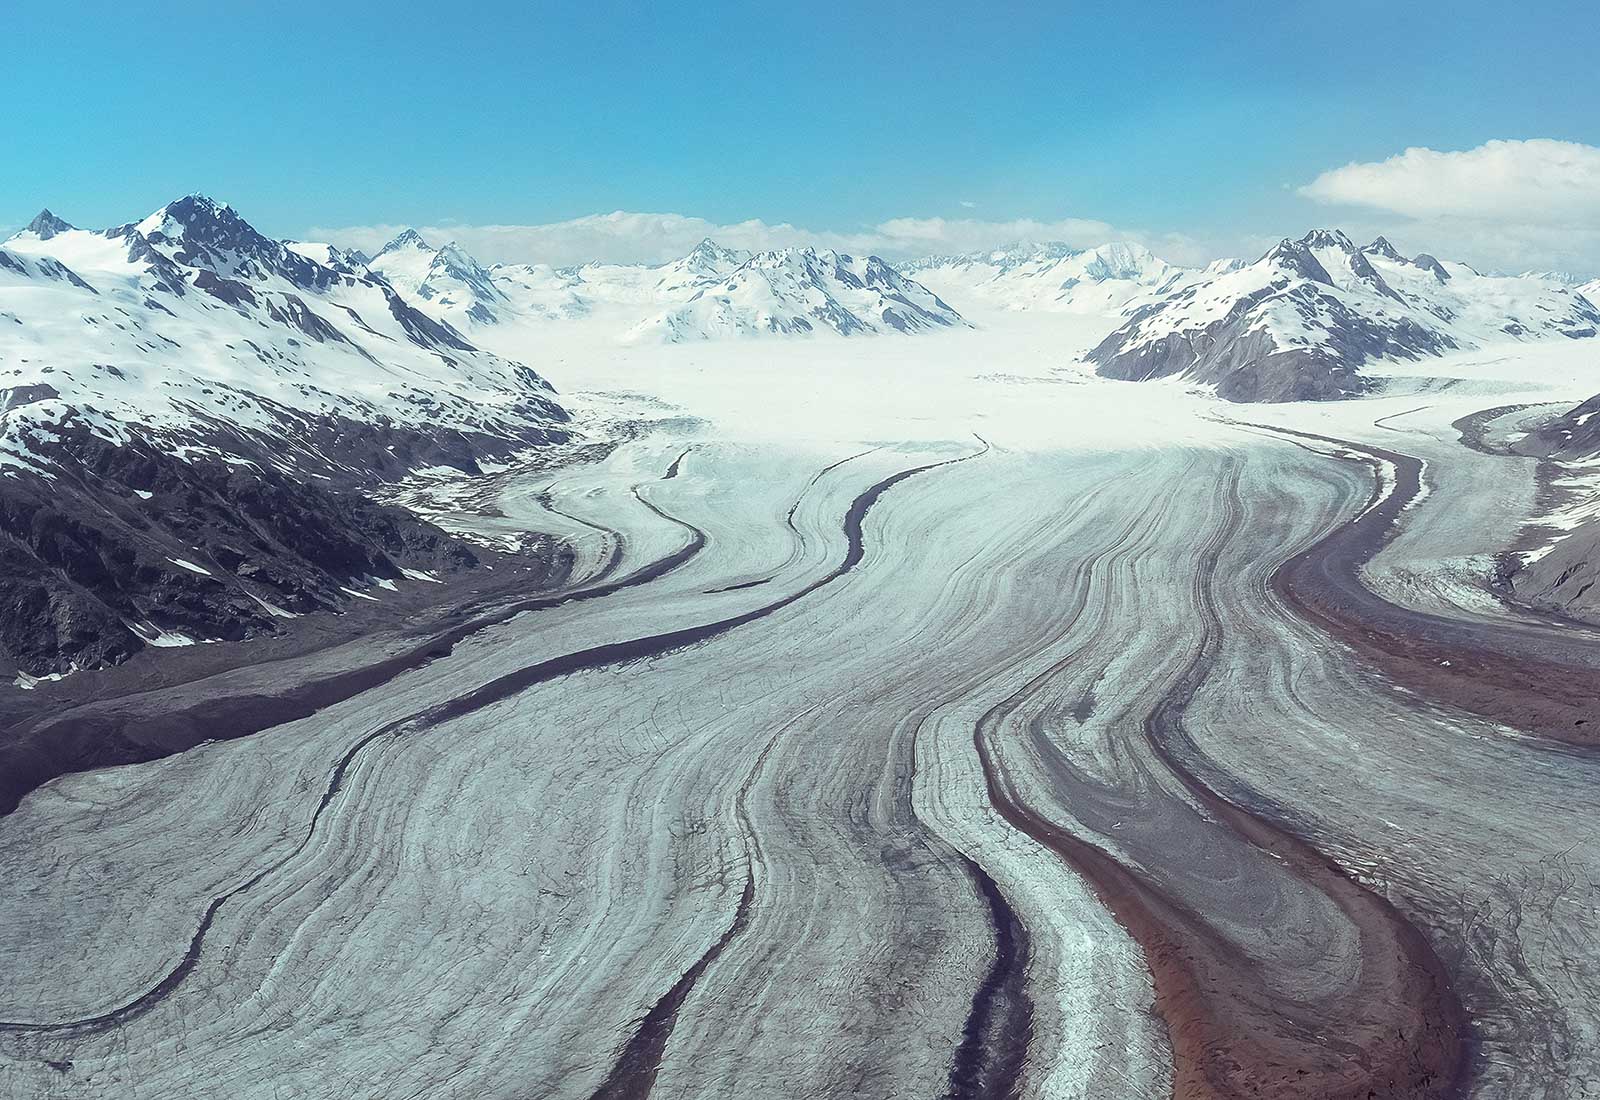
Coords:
183,389
1300,322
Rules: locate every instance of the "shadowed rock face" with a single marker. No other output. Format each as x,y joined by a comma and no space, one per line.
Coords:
1573,435
113,547
46,225
1566,579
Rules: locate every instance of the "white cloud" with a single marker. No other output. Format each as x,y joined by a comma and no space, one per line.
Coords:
1507,204
625,237
1536,182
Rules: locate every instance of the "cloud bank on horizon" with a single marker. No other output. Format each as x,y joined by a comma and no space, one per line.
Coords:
1511,204
1506,204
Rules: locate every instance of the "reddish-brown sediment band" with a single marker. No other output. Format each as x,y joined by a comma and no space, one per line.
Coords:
1532,676
1231,1039
1394,1033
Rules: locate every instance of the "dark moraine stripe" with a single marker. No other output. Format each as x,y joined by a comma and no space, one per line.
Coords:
636,649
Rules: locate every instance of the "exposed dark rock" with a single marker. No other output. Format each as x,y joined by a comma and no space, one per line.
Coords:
1246,363
1382,247
46,225
1428,263
1249,357
110,542
91,558
1565,579
1573,435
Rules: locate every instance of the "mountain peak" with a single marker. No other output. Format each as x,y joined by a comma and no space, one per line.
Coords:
1564,278
1328,238
190,210
452,252
200,219
1381,247
46,225
1117,260
406,238
708,254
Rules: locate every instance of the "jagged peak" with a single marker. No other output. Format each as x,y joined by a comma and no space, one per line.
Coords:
1226,266
1564,278
709,247
191,211
1380,246
1117,260
1328,238
451,252
406,238
47,225
1025,252
794,255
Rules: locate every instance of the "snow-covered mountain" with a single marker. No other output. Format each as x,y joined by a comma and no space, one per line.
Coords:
706,262
186,407
448,284
1300,322
456,284
1591,291
1112,279
1565,278
710,293
196,333
800,291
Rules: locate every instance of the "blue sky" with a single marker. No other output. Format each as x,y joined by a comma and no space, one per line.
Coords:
1193,119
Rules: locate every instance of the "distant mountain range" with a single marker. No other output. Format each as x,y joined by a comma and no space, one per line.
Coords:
711,293
799,291
1301,322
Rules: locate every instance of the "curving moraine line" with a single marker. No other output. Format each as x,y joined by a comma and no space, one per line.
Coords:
612,536
633,1074
73,743
1397,1034
1529,675
601,656
788,520
994,1041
